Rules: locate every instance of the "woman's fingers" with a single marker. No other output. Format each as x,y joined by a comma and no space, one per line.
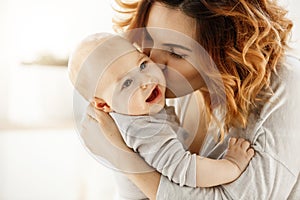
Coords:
105,141
104,120
90,118
100,116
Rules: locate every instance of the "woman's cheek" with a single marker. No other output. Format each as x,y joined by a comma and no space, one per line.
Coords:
176,70
181,77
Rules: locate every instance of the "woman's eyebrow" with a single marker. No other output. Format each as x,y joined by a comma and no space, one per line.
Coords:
176,46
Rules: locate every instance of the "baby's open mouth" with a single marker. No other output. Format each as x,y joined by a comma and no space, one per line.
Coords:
154,94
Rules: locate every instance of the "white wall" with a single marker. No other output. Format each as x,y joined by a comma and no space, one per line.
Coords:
50,165
40,156
293,6
29,27
4,62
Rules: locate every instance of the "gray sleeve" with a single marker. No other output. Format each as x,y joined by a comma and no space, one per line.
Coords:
158,144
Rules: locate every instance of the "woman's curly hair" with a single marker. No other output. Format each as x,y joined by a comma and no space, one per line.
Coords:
245,38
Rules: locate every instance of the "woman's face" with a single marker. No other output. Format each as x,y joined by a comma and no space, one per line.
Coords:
173,35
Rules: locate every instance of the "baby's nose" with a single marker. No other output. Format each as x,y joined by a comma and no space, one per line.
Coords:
143,86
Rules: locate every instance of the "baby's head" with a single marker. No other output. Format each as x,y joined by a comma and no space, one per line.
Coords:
110,72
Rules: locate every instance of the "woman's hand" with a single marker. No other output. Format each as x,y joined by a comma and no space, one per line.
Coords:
102,138
108,127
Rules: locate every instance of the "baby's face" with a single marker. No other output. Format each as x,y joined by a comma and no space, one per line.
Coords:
133,85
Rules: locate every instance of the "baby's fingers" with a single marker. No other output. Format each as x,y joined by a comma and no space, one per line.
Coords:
245,145
250,153
240,141
232,141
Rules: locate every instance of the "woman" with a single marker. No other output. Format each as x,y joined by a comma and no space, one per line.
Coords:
247,41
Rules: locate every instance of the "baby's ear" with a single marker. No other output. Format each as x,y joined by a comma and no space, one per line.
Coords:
100,104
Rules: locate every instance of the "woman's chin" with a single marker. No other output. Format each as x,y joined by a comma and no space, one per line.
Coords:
169,94
179,93
155,108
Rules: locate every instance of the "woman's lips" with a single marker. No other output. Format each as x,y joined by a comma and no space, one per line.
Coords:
154,96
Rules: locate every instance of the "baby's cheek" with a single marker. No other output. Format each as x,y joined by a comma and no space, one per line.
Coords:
137,104
120,102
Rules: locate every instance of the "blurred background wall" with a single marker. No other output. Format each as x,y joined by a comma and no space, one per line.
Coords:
41,157
40,154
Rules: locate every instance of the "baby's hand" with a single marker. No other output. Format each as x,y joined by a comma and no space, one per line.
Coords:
239,152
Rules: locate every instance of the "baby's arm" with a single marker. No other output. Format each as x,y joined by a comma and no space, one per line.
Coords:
216,172
158,144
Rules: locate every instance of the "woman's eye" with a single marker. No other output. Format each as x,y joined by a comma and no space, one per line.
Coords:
143,66
176,55
127,83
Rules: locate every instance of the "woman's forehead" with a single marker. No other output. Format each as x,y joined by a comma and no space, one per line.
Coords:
168,38
163,17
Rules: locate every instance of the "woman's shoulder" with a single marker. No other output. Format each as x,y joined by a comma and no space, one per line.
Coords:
290,66
275,128
288,78
285,81
284,84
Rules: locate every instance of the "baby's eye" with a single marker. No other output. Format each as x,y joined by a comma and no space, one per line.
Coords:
127,83
143,66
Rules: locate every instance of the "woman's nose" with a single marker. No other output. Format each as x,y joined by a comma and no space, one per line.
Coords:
159,57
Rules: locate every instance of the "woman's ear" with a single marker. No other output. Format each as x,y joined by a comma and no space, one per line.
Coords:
100,104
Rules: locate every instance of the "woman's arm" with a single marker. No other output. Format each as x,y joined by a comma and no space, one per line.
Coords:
103,140
147,182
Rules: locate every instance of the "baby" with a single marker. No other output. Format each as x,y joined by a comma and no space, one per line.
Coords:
111,73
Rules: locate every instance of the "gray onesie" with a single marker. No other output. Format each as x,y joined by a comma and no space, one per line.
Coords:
159,140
